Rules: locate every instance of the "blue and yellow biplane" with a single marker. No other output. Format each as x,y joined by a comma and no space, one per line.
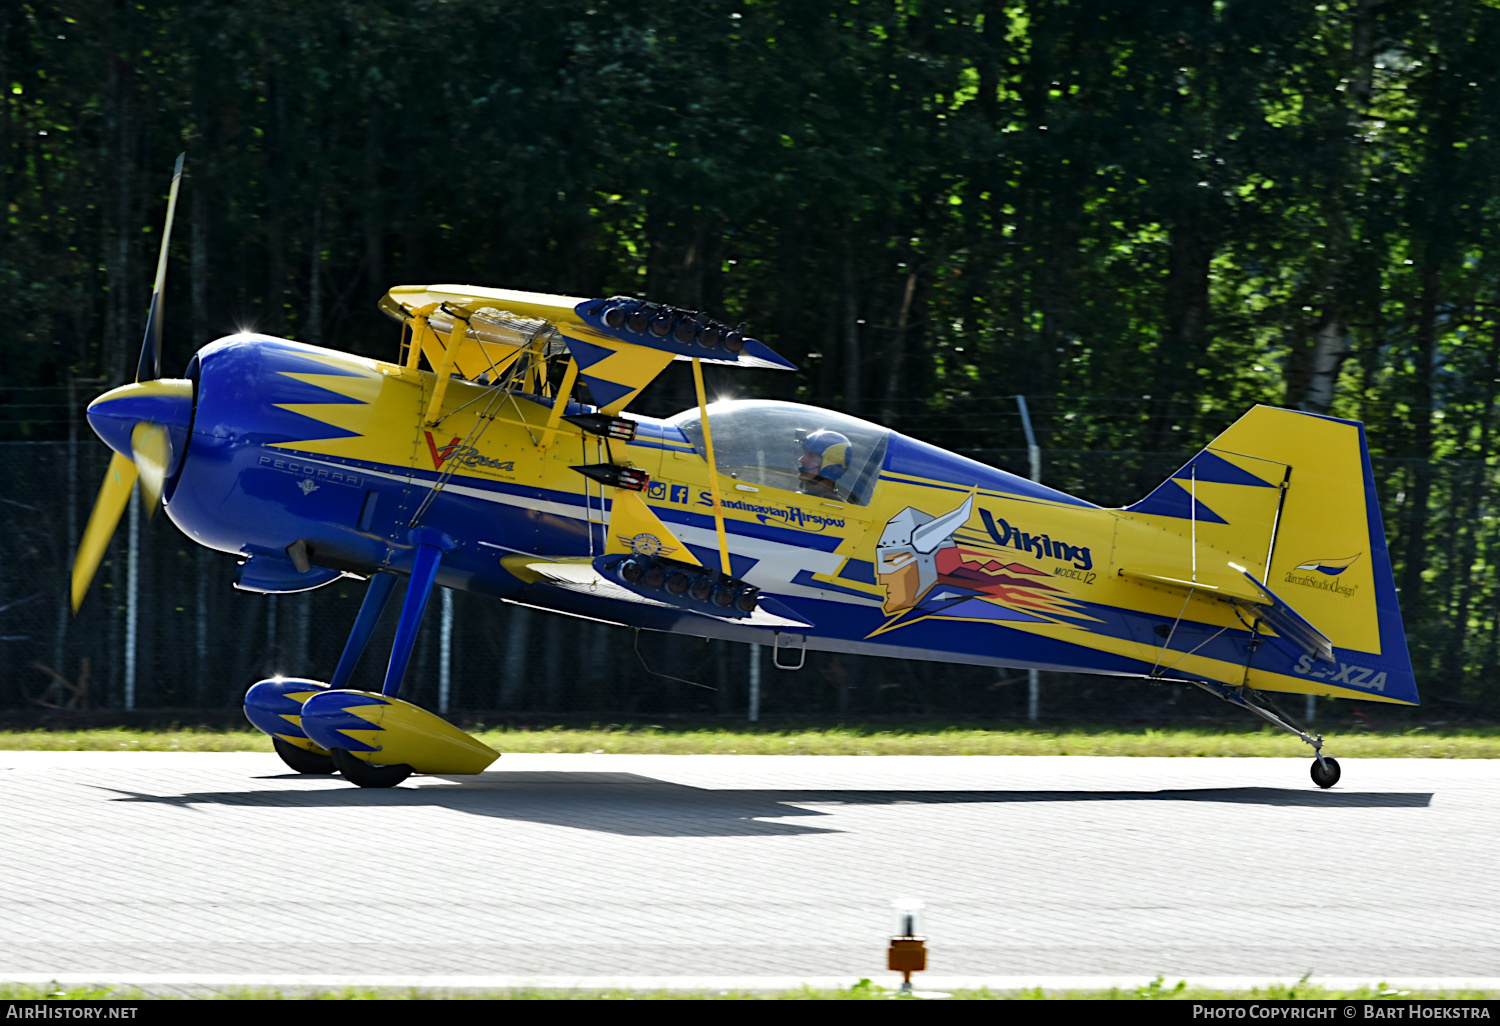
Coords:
470,462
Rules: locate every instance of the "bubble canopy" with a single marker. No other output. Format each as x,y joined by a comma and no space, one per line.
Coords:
760,442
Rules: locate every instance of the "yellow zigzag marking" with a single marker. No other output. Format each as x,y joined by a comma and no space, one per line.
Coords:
382,419
629,365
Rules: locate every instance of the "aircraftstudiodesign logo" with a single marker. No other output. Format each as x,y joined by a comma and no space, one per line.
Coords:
1323,574
463,455
1330,567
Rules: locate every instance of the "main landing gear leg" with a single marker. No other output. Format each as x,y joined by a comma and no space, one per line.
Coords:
1325,768
430,546
377,595
319,761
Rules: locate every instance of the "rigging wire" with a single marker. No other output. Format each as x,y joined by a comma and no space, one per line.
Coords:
482,422
658,673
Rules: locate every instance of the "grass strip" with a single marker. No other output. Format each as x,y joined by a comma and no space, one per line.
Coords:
864,990
909,739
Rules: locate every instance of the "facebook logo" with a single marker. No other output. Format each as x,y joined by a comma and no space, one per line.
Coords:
680,493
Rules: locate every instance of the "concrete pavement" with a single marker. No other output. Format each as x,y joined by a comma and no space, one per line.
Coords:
587,868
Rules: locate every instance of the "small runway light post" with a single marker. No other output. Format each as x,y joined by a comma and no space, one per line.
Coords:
908,950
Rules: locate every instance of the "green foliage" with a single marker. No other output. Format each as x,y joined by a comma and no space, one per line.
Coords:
923,204
1156,990
1145,218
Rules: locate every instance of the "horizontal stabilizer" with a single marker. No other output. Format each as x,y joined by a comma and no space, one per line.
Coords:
1292,625
1250,596
1222,586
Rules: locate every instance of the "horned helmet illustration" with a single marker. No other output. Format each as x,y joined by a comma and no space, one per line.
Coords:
906,554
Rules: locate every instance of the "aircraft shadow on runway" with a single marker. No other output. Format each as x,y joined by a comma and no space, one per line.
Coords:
635,805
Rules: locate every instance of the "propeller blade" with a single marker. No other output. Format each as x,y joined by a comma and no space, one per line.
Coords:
119,479
149,368
151,448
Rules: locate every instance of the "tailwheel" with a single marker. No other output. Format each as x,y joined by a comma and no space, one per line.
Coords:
303,761
1325,771
365,774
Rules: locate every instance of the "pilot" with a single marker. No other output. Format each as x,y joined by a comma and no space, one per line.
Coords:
825,458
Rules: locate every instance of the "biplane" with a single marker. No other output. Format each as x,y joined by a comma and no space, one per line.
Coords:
497,454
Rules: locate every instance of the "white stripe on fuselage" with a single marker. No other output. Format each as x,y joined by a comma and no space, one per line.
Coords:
776,562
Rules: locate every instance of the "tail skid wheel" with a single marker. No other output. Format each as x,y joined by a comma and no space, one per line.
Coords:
303,761
365,774
1325,771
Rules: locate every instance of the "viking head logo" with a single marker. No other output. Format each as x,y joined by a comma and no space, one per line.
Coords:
906,555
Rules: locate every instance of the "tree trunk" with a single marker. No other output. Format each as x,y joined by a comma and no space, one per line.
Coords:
1184,333
249,625
652,230
1421,491
850,325
513,683
301,634
198,266
724,696
5,250
553,638
116,344
273,635
895,356
1313,376
1456,655
1059,281
314,331
692,269
116,647
1329,351
276,171
200,628
370,212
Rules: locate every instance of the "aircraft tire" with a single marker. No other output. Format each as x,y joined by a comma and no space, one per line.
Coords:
364,774
1325,777
303,761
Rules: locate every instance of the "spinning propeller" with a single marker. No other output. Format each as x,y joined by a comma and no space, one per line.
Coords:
146,424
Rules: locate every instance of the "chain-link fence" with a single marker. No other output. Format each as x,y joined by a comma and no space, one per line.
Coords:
198,643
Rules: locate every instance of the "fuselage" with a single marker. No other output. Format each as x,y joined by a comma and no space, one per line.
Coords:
308,463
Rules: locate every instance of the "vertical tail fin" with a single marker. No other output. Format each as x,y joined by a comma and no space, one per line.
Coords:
1292,496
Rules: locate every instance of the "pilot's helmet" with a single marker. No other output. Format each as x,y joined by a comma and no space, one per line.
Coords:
834,450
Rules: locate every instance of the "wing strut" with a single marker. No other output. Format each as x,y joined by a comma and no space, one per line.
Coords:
713,469
559,403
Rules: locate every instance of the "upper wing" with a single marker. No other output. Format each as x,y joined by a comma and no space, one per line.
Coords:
619,345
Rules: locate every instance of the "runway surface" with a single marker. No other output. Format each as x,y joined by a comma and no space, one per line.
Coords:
584,868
